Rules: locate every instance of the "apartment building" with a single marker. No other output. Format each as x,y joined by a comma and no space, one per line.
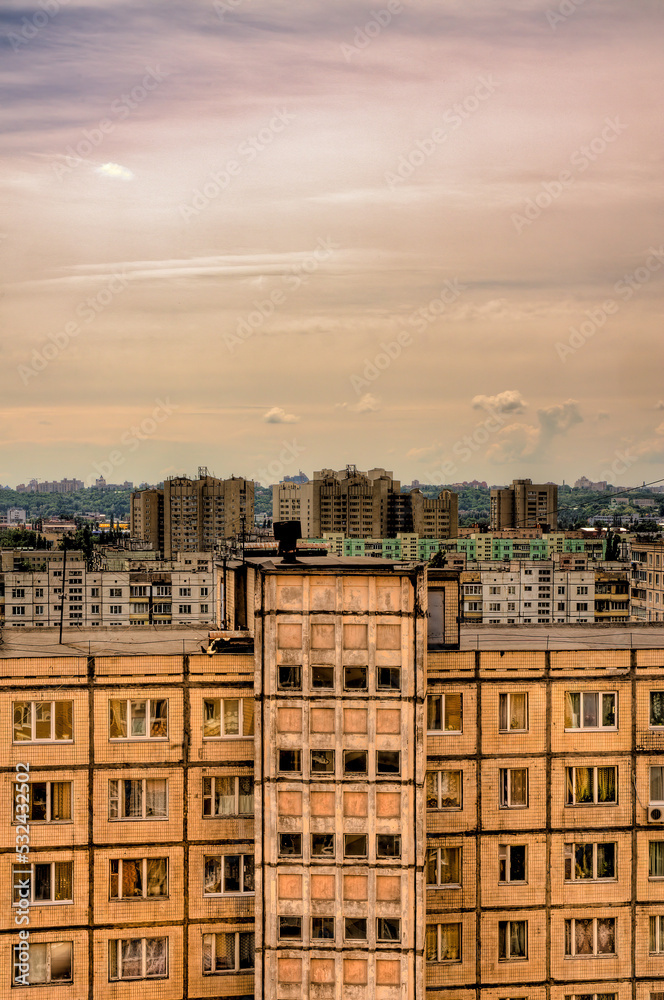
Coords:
647,581
524,504
192,515
80,597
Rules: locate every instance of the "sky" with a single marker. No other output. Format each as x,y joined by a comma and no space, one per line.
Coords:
270,235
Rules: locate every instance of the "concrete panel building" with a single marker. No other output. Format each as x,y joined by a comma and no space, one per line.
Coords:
524,504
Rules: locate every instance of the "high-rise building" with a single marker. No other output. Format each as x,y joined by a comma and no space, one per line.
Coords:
524,504
192,515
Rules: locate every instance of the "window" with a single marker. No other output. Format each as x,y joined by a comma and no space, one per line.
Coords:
656,859
582,590
513,787
592,936
444,789
599,996
47,802
322,928
443,943
443,866
228,796
355,845
39,609
494,607
205,609
138,720
388,929
139,878
355,678
657,784
322,761
388,761
322,676
42,721
138,958
228,952
512,863
590,709
39,591
591,785
290,845
185,591
581,607
388,845
657,935
513,712
355,929
322,845
224,717
50,962
138,798
18,593
445,713
94,609
94,592
184,609
388,678
204,591
290,927
289,677
657,708
115,609
47,883
590,862
115,592
290,760
512,939
228,874
355,761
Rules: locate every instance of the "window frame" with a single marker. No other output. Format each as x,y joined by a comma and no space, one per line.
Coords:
438,852
237,967
439,793
508,957
18,872
144,897
600,711
507,696
33,721
117,942
439,935
240,735
505,788
571,786
49,803
505,857
442,697
121,796
149,720
569,852
655,725
242,868
48,981
571,938
212,796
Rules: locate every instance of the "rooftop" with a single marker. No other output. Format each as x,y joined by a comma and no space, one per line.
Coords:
114,641
631,635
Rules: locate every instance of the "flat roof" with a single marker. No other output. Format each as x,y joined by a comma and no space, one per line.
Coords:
331,563
132,640
631,635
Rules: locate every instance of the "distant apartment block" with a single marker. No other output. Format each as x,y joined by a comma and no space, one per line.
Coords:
524,504
586,484
192,515
647,581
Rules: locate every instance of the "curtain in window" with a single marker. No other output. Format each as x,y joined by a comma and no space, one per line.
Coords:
247,951
431,943
450,789
248,717
246,803
583,937
212,717
657,708
519,782
22,721
608,710
572,710
248,873
60,961
232,873
37,963
590,704
518,939
453,713
656,784
60,800
132,878
231,717
434,714
133,798
606,784
63,720
450,940
208,951
138,718
449,865
117,719
224,952
584,784
212,875
156,797
606,937
431,790
63,880
656,868
225,796
43,720
159,718
42,883
518,711
583,861
606,867
113,800
155,957
157,877
653,934
432,866
132,958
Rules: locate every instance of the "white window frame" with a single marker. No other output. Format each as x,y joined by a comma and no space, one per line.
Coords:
438,790
119,798
141,737
210,941
508,695
211,797
116,944
505,788
144,875
29,796
569,850
239,892
18,954
595,769
572,937
600,696
651,768
443,698
439,935
505,858
33,721
20,873
438,884
241,735
656,934
508,936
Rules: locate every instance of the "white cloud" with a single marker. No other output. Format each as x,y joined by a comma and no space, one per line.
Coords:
367,404
279,416
509,401
115,171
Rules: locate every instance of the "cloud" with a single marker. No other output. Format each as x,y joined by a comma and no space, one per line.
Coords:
115,171
603,415
558,419
367,404
518,441
279,416
509,401
659,405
